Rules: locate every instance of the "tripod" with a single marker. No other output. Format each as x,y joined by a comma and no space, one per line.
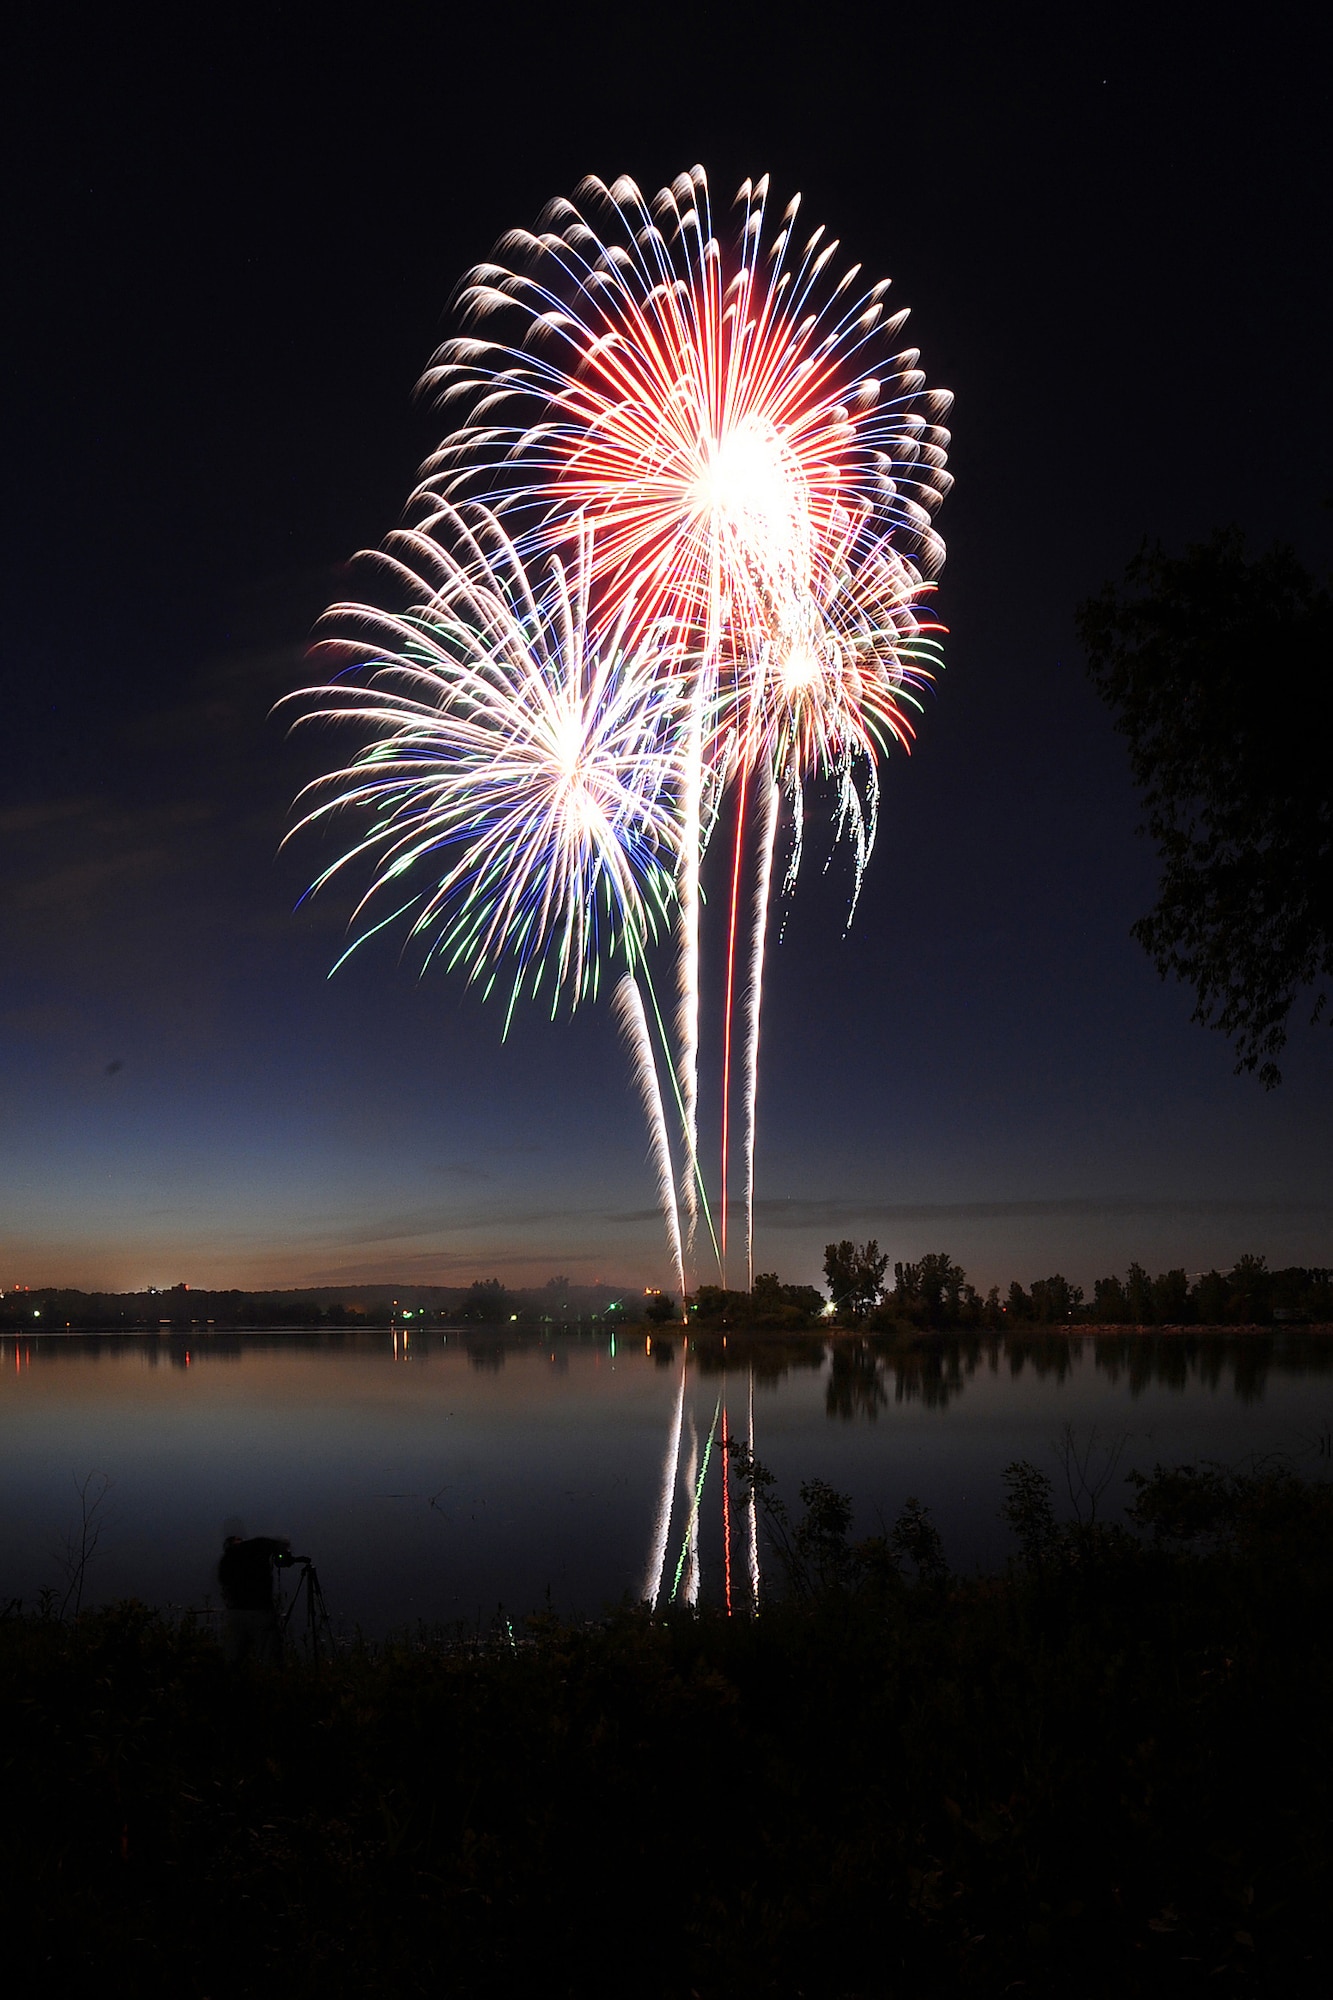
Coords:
314,1628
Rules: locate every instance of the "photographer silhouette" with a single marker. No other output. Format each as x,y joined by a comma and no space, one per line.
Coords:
245,1576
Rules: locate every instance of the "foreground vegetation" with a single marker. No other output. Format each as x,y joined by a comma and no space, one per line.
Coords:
1106,1773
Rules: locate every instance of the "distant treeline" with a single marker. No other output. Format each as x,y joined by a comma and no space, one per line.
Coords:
936,1294
487,1302
933,1294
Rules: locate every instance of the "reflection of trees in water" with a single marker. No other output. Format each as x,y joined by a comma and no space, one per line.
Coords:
154,1348
935,1374
1252,1360
1047,1354
487,1355
1133,1359
1211,1361
934,1369
769,1356
855,1385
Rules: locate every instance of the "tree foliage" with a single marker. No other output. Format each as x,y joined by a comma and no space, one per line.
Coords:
932,1292
487,1302
855,1273
770,1307
1215,669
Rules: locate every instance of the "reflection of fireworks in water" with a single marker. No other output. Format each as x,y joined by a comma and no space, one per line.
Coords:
688,1562
652,1584
752,1515
686,1580
726,1514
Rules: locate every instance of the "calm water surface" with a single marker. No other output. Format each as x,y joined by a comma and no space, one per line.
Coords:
439,1478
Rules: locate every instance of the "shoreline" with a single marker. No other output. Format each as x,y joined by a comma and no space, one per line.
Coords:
902,1334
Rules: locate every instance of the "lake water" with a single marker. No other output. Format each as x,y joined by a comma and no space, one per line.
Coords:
438,1477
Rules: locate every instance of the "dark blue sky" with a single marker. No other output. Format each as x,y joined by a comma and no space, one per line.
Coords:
231,254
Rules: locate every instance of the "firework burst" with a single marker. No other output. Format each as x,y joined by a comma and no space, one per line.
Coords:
721,427
762,469
728,410
520,774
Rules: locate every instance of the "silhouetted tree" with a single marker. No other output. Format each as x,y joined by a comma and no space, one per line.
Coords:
717,1307
558,1290
1109,1304
486,1301
1210,1299
1233,776
1171,1302
1054,1299
855,1274
931,1292
773,1304
1250,1291
1138,1295
1017,1304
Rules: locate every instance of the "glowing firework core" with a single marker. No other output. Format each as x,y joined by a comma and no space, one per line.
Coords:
750,495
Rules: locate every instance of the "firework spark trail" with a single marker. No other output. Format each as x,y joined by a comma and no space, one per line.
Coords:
823,702
724,1192
754,997
652,1583
687,1011
628,1008
692,1163
830,693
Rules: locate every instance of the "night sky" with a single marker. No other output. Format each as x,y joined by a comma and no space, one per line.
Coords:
230,244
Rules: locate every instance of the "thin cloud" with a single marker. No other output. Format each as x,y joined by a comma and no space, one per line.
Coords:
89,849
832,1213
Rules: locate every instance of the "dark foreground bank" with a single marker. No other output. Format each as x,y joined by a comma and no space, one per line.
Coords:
1107,1773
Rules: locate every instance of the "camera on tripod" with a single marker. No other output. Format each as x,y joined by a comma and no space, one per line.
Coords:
315,1628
